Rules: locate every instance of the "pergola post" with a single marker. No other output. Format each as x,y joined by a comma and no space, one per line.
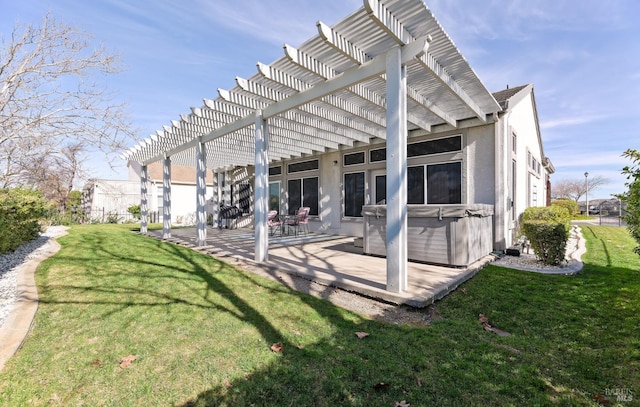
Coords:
261,198
226,187
201,187
166,198
144,203
216,197
396,172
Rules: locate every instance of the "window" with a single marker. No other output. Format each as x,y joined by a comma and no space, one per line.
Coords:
275,170
380,191
353,194
444,183
377,155
274,196
303,192
303,166
443,145
514,143
415,185
353,159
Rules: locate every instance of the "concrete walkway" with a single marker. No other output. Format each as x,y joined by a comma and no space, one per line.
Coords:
334,261
18,324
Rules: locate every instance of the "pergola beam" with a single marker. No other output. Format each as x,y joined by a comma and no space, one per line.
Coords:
385,19
325,72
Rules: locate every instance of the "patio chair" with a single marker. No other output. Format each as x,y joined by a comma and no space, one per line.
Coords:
273,223
230,215
300,221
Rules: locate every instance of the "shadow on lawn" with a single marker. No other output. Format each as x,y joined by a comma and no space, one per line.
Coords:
453,362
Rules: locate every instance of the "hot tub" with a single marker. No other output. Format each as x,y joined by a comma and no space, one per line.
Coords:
452,235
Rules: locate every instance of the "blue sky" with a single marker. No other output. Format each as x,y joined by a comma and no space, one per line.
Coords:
583,58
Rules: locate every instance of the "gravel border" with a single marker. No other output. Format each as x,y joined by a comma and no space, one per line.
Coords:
10,265
571,265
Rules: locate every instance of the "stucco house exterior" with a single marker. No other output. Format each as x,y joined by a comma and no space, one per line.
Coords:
381,128
102,198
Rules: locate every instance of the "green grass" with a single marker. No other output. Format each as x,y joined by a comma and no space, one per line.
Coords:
202,332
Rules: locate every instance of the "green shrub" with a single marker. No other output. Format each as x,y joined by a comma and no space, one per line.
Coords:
548,240
547,228
569,204
135,211
552,213
21,213
113,217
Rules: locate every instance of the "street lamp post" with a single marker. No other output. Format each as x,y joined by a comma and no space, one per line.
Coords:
586,178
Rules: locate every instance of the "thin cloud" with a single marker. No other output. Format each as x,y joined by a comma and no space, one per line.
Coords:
570,121
591,159
275,22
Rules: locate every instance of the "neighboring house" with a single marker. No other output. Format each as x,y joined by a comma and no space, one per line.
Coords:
380,127
104,199
611,206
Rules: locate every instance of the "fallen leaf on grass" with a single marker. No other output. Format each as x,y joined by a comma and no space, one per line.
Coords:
276,347
361,335
227,383
487,327
402,404
97,363
463,290
601,400
419,380
127,360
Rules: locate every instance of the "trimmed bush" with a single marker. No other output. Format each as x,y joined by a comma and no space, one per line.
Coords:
547,228
569,204
21,213
548,240
547,213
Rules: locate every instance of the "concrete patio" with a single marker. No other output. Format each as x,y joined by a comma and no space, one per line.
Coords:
331,260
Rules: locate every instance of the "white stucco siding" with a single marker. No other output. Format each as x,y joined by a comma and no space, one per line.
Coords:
102,198
330,194
530,177
183,203
480,165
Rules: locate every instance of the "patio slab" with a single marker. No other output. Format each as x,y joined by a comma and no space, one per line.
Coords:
334,261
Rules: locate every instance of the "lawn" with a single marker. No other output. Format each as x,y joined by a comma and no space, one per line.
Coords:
202,333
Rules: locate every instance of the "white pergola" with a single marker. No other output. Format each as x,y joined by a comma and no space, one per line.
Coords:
385,69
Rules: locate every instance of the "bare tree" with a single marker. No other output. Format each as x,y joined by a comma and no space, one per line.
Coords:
576,188
51,100
54,174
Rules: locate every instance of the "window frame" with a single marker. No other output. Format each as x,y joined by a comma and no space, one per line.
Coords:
344,192
364,158
291,210
317,166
